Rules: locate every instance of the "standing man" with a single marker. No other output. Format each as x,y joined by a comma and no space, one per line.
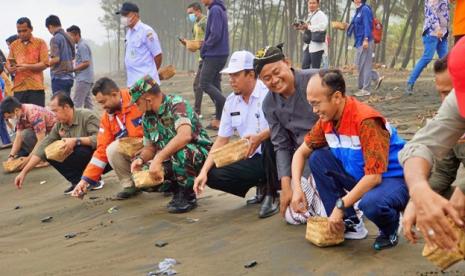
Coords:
435,33
83,68
288,114
120,119
195,15
214,53
62,54
78,128
175,143
143,50
27,60
243,113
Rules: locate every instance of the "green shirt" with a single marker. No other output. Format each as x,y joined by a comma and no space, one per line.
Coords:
85,124
199,31
161,127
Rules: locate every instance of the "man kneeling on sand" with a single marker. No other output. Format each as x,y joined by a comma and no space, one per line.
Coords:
175,143
360,164
243,113
120,119
78,128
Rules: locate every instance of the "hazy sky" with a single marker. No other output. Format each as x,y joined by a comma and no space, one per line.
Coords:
84,13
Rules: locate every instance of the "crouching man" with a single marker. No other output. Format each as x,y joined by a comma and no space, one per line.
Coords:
175,143
120,119
360,164
243,113
78,128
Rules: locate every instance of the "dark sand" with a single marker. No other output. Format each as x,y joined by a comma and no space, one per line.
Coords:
227,235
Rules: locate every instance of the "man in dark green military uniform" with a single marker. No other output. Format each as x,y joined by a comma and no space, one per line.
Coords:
176,144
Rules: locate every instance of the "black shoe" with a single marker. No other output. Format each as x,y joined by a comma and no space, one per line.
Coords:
69,190
258,198
383,241
269,207
182,202
127,193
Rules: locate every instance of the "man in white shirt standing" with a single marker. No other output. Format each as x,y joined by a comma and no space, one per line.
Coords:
243,114
143,51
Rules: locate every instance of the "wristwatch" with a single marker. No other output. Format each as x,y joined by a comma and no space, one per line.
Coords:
340,204
78,141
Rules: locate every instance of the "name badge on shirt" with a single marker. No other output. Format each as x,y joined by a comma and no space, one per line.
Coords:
236,119
235,113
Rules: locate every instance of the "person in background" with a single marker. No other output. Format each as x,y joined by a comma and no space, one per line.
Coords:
83,69
361,27
27,60
32,122
214,53
458,23
78,128
317,22
195,15
435,33
143,50
4,135
62,53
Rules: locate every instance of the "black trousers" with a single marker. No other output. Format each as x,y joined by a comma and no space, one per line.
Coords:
73,166
36,97
238,178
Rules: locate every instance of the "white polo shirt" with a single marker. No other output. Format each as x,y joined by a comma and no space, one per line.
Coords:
244,118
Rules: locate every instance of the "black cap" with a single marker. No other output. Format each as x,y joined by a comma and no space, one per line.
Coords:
128,7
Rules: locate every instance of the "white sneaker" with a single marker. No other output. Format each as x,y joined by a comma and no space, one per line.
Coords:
355,231
362,93
99,186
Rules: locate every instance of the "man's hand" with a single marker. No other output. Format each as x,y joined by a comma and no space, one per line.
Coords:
200,183
183,41
432,212
409,222
70,144
19,180
136,165
156,169
299,201
336,222
22,67
365,44
285,200
80,190
254,143
458,202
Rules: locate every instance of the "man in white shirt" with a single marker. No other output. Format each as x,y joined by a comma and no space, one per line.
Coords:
243,114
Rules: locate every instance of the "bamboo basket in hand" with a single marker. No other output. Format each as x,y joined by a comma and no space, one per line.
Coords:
143,179
319,234
338,25
445,259
193,45
13,165
167,72
55,151
230,153
130,145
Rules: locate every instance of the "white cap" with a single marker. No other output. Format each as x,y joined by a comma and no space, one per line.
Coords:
239,61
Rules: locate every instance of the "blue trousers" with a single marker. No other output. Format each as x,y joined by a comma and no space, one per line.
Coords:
382,204
431,45
59,85
3,131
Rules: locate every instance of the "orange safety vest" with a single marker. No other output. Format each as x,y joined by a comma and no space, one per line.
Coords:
125,123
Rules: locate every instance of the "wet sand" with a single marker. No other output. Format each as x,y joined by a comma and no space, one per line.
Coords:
227,235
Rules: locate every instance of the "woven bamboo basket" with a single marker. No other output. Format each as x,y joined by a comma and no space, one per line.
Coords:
167,72
445,259
338,25
230,153
130,145
193,45
13,165
55,151
319,234
143,179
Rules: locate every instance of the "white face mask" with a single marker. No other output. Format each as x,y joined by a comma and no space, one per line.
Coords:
124,21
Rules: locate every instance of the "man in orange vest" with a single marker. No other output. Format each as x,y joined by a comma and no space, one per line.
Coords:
352,153
120,119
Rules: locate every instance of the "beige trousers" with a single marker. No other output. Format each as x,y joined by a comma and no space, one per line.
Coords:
121,164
